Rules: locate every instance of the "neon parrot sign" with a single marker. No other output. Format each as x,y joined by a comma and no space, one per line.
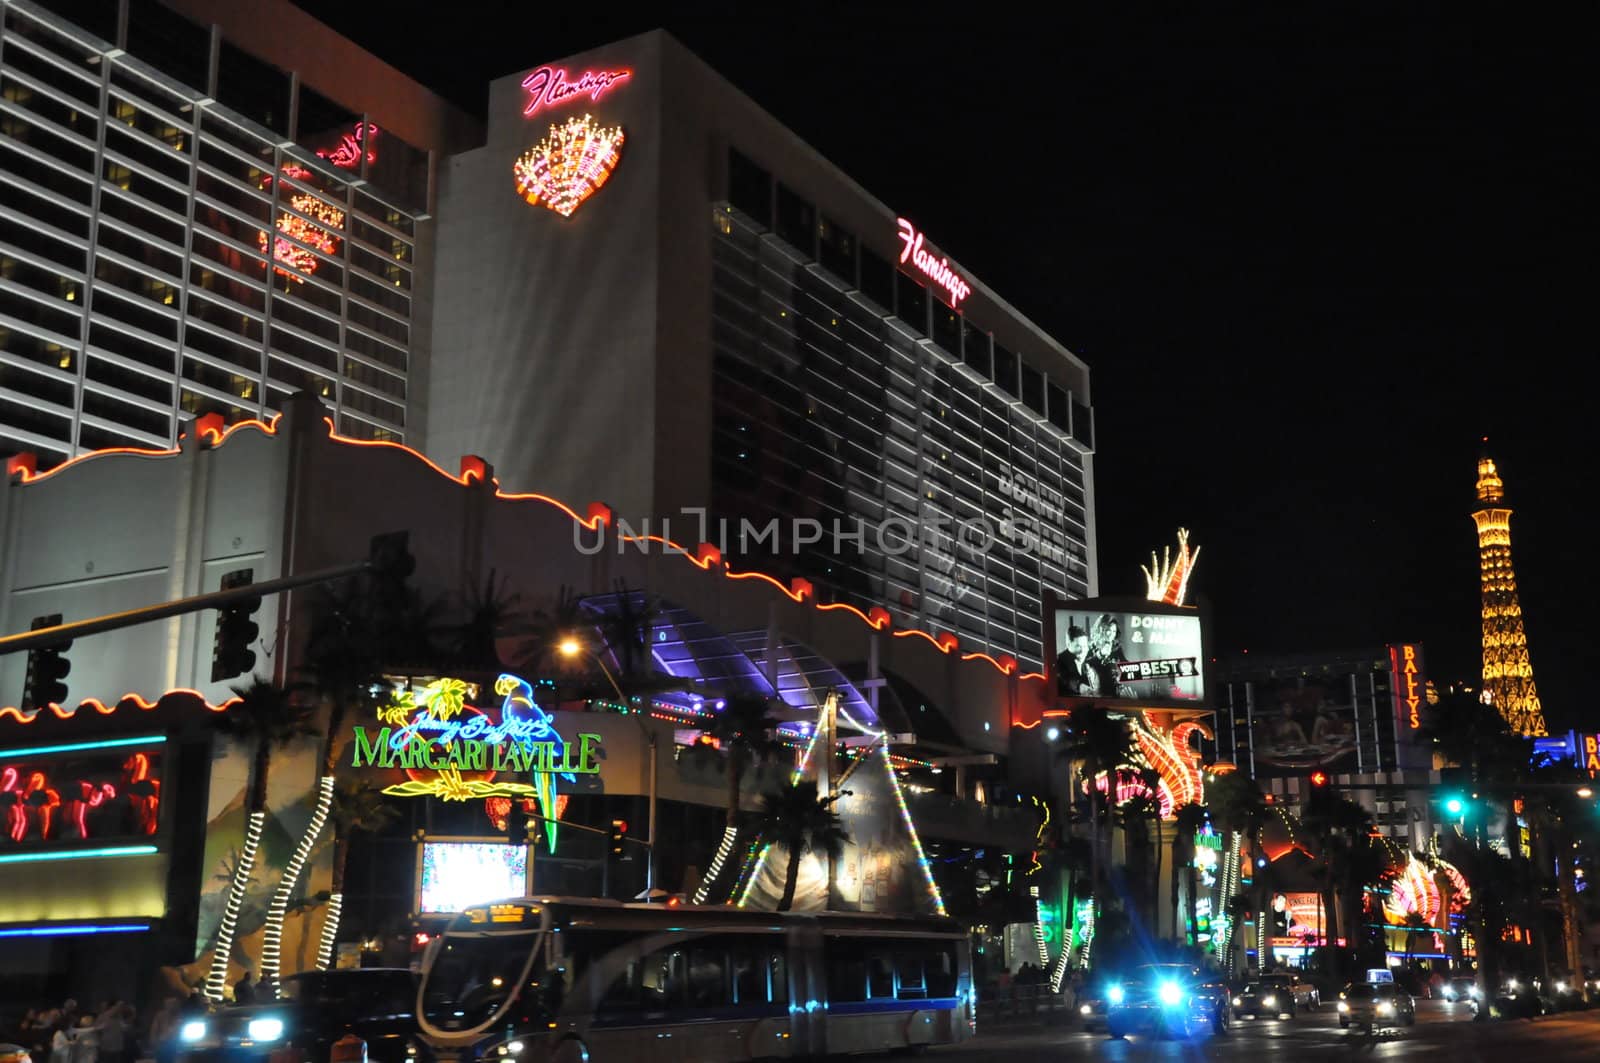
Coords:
455,751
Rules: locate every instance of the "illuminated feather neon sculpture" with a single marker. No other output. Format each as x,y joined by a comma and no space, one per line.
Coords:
569,165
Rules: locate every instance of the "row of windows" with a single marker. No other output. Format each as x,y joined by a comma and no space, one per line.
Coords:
124,302
775,206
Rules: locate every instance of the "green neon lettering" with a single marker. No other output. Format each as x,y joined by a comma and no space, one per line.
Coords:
375,752
589,755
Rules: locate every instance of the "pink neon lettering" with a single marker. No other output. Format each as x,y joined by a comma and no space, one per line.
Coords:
550,86
935,269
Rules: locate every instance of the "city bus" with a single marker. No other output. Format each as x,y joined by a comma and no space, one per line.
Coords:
559,980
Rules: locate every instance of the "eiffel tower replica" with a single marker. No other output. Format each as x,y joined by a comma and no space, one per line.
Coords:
1507,674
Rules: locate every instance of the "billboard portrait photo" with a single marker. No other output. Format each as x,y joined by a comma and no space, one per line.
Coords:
1129,655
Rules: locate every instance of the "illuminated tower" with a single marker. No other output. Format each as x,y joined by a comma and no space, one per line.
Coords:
1507,674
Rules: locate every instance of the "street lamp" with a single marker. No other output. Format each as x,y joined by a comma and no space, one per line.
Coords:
573,647
1584,791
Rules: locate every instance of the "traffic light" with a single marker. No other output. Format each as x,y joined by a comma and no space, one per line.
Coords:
1454,804
614,836
517,824
231,654
47,667
1319,780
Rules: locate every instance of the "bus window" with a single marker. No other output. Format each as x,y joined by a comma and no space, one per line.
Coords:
880,980
941,971
909,981
778,977
749,980
847,969
627,992
662,977
708,978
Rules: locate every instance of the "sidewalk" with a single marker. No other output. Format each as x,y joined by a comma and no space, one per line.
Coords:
1023,1005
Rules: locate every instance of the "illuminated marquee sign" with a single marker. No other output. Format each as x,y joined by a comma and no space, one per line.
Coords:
1405,665
551,87
455,751
1167,668
935,268
1590,752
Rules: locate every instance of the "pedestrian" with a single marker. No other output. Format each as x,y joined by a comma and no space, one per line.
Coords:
85,1041
113,1033
244,990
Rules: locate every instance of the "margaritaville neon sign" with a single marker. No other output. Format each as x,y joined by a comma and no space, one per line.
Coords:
455,751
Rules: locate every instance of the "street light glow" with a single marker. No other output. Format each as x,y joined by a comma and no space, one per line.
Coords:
1584,791
569,647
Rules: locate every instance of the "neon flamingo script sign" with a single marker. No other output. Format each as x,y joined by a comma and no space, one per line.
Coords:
549,87
935,268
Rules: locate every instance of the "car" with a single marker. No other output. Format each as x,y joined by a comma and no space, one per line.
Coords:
1372,1005
1262,999
1301,994
1179,999
315,1009
1459,991
1092,1002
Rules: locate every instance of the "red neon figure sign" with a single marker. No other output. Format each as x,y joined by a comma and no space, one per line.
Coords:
936,269
549,87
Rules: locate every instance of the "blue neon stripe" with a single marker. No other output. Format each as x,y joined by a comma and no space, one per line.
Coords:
76,747
889,1004
77,854
72,930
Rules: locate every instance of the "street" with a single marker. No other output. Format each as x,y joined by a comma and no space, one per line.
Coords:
1440,1033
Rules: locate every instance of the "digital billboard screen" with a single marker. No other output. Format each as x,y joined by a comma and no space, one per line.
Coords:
1299,723
1129,655
453,876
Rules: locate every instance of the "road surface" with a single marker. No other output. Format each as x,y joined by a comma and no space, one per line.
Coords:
1442,1032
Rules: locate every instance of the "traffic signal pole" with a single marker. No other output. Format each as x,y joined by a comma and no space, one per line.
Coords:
77,629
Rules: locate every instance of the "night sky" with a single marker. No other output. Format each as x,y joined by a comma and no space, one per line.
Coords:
1309,260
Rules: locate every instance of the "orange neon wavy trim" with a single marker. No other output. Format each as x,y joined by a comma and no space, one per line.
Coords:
878,625
787,592
474,472
104,709
1003,669
1040,676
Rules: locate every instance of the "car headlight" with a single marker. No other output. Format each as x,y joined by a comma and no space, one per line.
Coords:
1269,1002
1561,987
1344,1005
265,1029
1084,1009
1237,1001
514,1047
192,1031
1171,994
1385,1009
1115,994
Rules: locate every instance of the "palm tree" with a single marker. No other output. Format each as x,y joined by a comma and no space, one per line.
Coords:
1187,821
1414,924
357,807
489,614
627,629
801,821
1239,811
1337,825
566,618
1097,744
1152,784
741,735
358,627
263,719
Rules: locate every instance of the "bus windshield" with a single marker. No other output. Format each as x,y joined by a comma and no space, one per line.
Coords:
475,970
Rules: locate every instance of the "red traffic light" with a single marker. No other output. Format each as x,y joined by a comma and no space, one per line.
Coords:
1319,778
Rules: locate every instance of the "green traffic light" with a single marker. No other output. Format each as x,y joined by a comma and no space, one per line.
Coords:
1454,806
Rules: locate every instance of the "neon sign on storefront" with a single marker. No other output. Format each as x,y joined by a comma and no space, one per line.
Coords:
936,268
549,86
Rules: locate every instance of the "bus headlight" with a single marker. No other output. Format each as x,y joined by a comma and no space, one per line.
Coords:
514,1047
1171,994
1115,994
265,1029
192,1031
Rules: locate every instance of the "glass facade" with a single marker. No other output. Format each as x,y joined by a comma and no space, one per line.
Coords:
163,255
845,393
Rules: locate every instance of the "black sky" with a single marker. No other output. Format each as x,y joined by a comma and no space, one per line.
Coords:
1309,258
